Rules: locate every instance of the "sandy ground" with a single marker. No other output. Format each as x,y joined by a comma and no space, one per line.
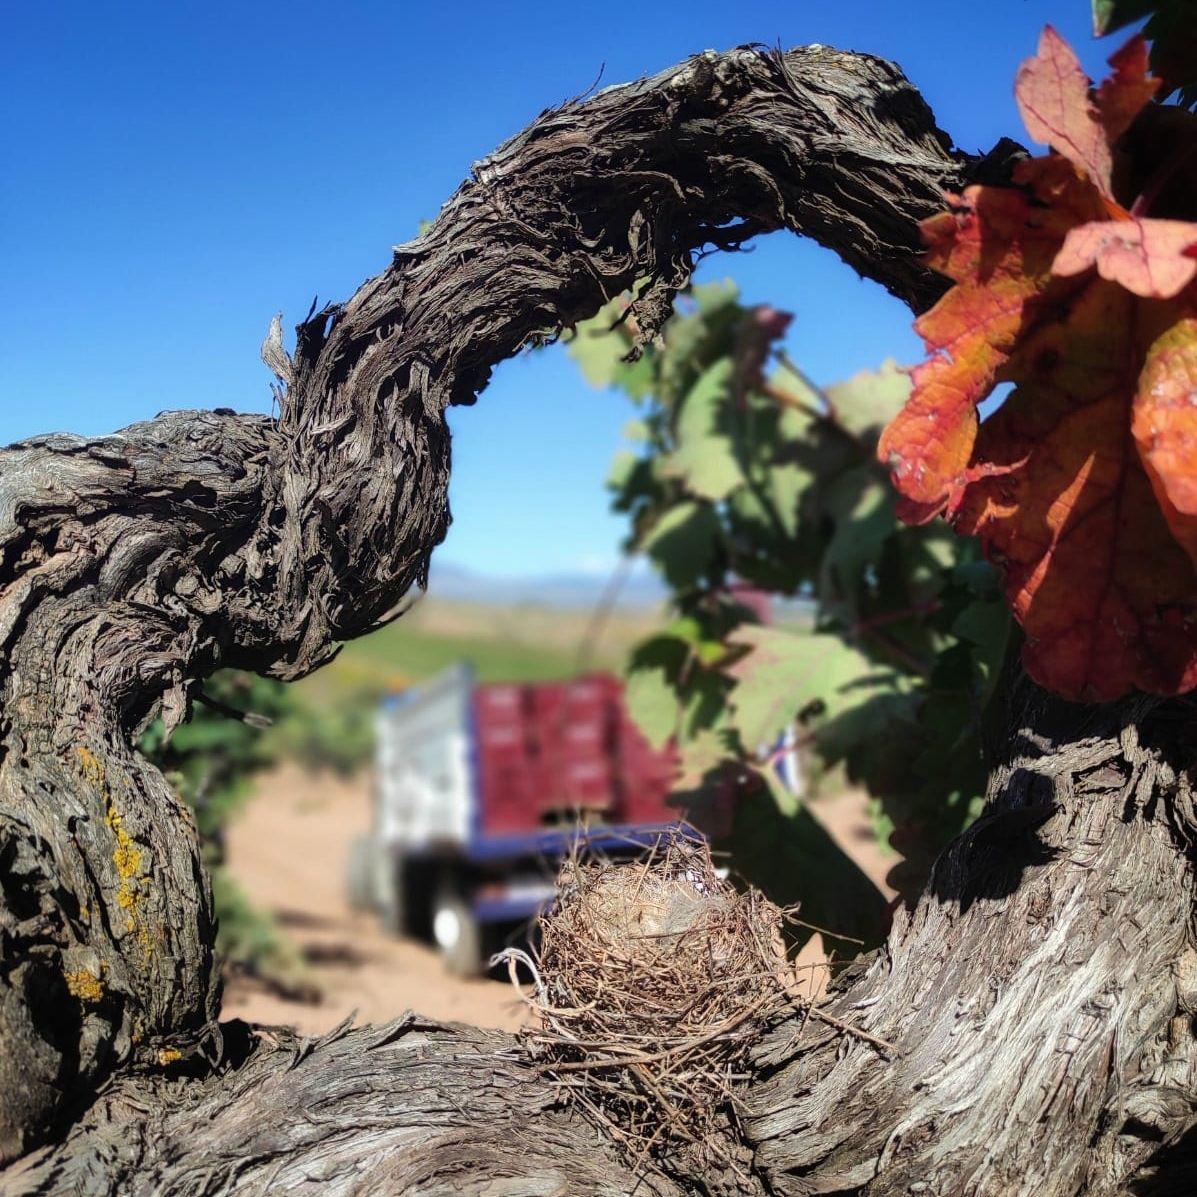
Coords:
288,850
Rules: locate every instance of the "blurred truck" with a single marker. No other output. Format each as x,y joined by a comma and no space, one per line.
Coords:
482,789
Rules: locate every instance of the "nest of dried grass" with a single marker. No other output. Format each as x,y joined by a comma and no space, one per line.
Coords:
653,982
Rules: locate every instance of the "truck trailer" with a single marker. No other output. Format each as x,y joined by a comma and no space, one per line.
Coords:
481,790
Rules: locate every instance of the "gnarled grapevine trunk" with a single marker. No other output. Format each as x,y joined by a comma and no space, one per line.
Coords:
1038,996
1039,999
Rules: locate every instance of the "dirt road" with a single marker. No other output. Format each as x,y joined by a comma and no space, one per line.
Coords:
288,851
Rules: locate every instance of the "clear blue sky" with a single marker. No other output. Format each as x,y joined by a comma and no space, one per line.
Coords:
176,172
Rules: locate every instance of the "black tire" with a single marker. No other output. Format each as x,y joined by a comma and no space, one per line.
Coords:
457,933
393,905
359,874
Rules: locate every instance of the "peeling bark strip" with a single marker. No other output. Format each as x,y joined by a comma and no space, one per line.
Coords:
1040,994
413,1107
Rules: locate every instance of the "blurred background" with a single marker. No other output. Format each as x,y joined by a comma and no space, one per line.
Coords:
177,173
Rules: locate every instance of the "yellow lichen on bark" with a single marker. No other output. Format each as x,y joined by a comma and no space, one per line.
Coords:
127,856
85,985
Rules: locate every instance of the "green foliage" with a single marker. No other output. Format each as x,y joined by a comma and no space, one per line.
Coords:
788,854
249,937
211,761
212,758
339,738
745,477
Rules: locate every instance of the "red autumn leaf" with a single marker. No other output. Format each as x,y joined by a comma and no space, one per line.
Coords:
1156,259
1123,96
1053,98
998,244
1056,105
1082,487
1165,427
1105,594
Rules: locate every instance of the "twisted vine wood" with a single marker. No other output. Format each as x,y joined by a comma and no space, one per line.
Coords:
1041,992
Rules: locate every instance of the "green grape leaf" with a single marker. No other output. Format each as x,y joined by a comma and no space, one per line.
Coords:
708,752
785,486
600,347
623,464
682,543
774,483
865,734
791,856
860,502
705,459
1111,15
651,689
799,395
706,647
705,702
986,627
867,401
599,354
696,339
715,297
787,671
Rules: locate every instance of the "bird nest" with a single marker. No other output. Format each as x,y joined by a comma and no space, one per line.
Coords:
653,981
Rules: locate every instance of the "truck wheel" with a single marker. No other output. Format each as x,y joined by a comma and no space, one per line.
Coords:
457,933
393,884
359,874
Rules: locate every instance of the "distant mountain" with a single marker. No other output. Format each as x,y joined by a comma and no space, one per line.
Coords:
641,588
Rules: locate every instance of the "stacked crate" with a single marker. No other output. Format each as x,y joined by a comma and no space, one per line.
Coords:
500,741
554,752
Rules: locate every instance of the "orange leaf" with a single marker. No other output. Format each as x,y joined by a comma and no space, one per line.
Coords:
999,245
1053,97
1105,595
1153,258
1082,487
1055,102
1165,427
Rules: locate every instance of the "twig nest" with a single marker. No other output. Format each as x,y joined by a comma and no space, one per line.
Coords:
659,912
655,979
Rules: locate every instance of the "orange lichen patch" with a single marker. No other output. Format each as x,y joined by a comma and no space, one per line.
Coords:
128,857
85,985
130,895
93,771
168,1055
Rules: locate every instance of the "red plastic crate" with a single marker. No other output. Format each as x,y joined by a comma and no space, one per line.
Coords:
546,749
504,790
